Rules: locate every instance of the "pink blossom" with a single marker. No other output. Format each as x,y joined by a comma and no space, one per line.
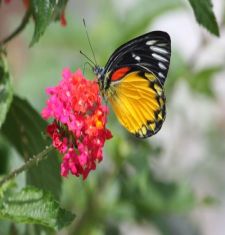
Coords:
78,129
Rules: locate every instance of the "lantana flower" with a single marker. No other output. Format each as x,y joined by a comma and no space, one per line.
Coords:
78,129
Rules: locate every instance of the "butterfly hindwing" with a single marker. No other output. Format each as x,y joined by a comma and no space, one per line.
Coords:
139,103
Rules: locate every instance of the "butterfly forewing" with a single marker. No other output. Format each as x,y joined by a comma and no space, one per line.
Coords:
149,52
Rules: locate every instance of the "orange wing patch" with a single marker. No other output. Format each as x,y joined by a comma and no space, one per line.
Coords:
119,73
139,103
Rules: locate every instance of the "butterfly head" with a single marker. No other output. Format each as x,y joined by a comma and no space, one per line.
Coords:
100,73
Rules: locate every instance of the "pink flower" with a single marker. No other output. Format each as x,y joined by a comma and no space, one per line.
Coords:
79,127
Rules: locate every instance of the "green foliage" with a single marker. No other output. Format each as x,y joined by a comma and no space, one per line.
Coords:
144,15
6,92
202,80
4,153
150,196
23,129
147,194
204,15
43,12
34,206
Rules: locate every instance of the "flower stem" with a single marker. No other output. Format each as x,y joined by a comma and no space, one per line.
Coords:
32,161
18,29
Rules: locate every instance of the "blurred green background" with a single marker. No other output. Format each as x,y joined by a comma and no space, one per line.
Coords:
170,184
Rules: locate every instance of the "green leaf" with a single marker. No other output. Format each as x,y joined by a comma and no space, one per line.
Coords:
201,81
204,15
45,11
6,92
23,128
4,153
42,12
35,206
59,9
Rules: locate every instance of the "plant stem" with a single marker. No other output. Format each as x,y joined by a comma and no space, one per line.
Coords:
18,29
32,161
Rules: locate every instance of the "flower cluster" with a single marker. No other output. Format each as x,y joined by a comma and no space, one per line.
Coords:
78,130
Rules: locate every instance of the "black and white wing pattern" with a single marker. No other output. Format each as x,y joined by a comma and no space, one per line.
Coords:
149,53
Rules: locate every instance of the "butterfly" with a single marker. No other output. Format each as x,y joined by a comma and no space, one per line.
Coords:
133,82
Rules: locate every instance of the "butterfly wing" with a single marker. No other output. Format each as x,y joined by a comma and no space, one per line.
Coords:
139,103
134,77
149,52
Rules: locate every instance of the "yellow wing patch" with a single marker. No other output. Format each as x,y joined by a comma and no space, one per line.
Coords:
139,103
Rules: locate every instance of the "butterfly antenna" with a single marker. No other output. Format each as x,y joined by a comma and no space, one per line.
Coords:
89,42
92,64
85,65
